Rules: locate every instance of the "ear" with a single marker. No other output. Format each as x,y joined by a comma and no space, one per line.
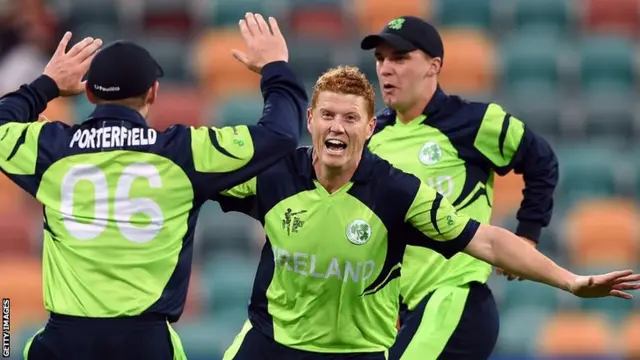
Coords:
92,98
371,127
152,95
309,118
435,66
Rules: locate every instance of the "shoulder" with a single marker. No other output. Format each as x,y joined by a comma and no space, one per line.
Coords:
392,182
384,118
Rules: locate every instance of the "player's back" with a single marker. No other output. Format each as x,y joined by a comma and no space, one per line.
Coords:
120,203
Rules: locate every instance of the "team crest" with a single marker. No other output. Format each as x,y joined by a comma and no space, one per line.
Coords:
430,154
358,232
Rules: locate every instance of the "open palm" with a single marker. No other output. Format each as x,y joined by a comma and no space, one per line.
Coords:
611,284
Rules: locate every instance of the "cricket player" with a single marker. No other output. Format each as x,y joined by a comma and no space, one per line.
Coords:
121,199
457,147
337,220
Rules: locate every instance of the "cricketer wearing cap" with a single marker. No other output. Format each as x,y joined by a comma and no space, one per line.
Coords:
121,199
337,220
457,147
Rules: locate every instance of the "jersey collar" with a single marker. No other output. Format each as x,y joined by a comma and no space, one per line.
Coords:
363,173
117,112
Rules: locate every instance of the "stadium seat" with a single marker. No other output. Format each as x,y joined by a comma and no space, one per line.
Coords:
373,15
176,17
548,15
226,13
241,110
576,334
531,294
464,13
518,326
507,195
611,16
599,161
603,232
105,31
310,58
324,19
200,338
82,108
218,73
89,11
177,105
21,281
169,51
469,64
228,281
224,232
607,62
630,333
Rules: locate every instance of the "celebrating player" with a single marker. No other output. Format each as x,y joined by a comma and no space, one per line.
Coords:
121,199
456,147
337,220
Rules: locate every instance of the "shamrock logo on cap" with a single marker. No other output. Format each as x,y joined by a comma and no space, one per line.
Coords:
396,24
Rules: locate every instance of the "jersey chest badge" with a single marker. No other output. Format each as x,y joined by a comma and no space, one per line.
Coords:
358,232
430,153
292,222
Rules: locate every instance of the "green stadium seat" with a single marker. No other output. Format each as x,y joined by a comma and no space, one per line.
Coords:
596,159
519,327
241,110
548,15
91,11
607,62
227,13
310,58
228,281
170,52
527,293
224,231
609,112
106,32
464,13
200,338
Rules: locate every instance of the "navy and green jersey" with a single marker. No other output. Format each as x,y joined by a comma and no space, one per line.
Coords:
457,147
121,199
328,276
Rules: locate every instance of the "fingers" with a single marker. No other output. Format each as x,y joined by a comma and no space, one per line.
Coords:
626,286
629,278
262,25
62,45
275,29
77,48
244,31
610,277
620,294
252,23
90,50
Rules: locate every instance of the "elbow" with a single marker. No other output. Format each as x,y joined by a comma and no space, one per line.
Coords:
482,246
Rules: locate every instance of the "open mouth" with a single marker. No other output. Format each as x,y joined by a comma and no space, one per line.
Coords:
388,87
335,146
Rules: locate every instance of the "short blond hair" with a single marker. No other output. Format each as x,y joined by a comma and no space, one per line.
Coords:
345,80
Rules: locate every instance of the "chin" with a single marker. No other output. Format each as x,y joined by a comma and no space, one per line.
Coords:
334,162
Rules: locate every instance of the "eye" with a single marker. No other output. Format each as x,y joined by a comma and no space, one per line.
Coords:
351,118
327,115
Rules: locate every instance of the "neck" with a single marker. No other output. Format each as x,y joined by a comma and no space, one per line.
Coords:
407,115
333,179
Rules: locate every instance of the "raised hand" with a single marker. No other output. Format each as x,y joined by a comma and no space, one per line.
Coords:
611,284
264,42
67,68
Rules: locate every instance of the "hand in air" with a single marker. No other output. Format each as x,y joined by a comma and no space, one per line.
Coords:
67,68
611,284
264,42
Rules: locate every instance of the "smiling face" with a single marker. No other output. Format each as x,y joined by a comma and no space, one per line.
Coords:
341,119
404,76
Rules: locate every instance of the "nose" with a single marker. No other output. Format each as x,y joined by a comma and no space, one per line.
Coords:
336,127
384,67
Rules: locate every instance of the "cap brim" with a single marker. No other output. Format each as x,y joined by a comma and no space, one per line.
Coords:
159,70
398,43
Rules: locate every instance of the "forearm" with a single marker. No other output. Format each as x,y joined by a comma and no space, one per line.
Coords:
503,249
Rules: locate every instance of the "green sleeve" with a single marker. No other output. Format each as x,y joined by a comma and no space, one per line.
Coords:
19,147
221,150
499,136
243,190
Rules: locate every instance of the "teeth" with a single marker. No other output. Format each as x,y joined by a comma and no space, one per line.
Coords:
335,142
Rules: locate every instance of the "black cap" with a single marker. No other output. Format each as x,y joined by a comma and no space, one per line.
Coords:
122,70
405,34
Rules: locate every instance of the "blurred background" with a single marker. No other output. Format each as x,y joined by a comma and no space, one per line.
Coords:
569,69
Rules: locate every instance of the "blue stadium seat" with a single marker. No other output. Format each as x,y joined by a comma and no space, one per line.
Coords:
464,13
200,338
241,110
607,64
83,108
91,11
227,13
224,231
519,328
227,281
531,294
548,15
106,32
170,52
310,58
